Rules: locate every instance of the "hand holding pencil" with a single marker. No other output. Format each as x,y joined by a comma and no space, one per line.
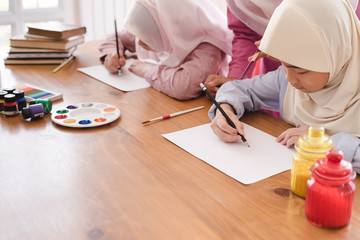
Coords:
112,62
115,60
224,130
117,45
223,125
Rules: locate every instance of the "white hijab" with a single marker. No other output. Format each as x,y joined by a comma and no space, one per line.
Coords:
256,13
176,27
321,36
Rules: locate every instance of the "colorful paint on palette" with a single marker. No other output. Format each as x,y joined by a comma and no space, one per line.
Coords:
87,114
34,93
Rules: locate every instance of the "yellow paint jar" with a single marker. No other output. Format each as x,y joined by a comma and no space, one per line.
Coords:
309,148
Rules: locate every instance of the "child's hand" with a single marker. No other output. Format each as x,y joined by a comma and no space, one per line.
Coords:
260,54
140,68
290,136
221,127
112,63
213,82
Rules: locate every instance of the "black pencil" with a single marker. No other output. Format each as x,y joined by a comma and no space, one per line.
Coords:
223,112
117,43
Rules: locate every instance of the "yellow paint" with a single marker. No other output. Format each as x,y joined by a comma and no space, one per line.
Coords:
309,148
70,121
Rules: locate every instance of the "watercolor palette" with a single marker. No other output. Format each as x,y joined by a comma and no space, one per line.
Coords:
33,93
84,115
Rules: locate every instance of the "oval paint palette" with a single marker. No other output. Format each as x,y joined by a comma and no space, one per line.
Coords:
84,115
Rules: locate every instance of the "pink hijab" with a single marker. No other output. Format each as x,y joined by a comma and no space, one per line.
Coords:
256,13
175,28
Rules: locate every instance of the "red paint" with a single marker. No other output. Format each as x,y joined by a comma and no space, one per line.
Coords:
60,116
166,117
7,104
330,191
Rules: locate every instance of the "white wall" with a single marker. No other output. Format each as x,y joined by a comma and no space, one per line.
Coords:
98,15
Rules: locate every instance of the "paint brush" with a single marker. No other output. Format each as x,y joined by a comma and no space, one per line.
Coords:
252,60
63,64
172,115
117,44
223,112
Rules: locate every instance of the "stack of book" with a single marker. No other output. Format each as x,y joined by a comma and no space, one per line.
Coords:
45,43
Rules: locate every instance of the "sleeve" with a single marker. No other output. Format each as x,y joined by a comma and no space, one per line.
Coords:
262,91
126,41
350,146
358,11
182,82
242,46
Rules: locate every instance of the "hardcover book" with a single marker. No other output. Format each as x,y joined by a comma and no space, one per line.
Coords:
56,29
39,54
26,42
38,50
33,61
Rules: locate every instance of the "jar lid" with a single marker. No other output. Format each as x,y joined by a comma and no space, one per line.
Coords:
9,98
19,93
26,113
315,140
2,94
9,90
333,166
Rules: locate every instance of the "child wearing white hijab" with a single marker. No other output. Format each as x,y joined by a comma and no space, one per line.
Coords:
248,20
188,40
318,44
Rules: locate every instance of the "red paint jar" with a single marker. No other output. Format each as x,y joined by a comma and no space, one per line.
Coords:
10,105
330,191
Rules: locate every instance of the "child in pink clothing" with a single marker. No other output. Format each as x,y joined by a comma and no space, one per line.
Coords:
186,40
248,20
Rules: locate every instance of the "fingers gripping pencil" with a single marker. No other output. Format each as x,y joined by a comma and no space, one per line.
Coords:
117,44
223,112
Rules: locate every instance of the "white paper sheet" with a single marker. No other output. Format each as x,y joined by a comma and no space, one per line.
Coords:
264,158
127,81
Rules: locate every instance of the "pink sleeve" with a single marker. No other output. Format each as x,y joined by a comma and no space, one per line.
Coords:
182,82
358,11
126,41
242,46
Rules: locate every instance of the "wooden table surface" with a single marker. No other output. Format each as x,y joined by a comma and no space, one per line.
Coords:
125,181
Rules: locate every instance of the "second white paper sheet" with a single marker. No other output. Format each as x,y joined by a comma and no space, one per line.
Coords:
263,159
127,81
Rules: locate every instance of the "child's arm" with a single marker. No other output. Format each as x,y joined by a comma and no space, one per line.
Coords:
182,82
263,91
350,146
108,46
242,46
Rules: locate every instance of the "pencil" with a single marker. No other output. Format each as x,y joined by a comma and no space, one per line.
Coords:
223,112
117,43
63,64
173,115
253,59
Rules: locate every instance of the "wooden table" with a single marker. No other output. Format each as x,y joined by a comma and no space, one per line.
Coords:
125,181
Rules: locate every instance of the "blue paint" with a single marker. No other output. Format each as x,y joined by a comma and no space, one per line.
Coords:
72,107
84,122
